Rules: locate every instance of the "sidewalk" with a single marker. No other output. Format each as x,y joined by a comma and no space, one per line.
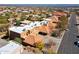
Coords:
60,40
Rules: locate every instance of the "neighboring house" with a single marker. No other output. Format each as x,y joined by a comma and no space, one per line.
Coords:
11,20
11,48
25,22
59,14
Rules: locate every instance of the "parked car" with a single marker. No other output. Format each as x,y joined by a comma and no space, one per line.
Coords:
77,36
76,43
66,29
76,24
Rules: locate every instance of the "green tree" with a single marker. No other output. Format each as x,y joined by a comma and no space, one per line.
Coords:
19,40
63,22
54,34
17,22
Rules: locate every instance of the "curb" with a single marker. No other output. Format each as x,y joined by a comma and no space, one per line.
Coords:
60,41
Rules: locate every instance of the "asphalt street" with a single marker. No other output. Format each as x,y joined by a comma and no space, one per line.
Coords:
67,45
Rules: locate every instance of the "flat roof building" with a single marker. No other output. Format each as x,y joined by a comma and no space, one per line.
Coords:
29,26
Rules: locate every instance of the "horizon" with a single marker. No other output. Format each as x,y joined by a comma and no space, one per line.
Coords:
43,5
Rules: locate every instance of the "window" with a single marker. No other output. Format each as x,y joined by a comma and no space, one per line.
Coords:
54,22
42,33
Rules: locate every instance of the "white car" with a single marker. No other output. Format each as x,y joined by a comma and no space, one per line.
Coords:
67,29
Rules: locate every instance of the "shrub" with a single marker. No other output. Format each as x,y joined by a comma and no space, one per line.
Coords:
40,45
50,51
17,23
54,34
63,22
18,40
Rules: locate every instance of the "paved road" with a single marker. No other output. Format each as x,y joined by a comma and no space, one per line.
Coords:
67,45
3,42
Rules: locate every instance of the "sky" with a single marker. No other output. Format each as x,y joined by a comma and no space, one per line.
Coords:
39,1
41,5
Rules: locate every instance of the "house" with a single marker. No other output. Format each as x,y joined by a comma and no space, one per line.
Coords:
11,48
29,32
25,33
25,22
59,14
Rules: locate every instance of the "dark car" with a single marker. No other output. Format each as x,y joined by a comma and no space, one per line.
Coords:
76,43
76,24
77,36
